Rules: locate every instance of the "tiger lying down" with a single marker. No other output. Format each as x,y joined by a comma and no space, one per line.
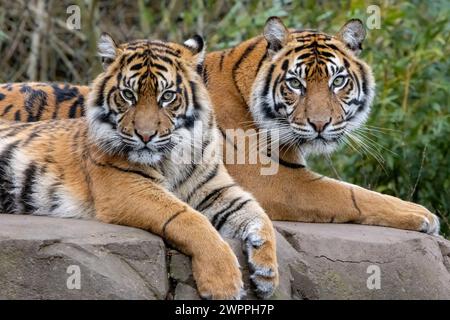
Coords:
309,89
122,164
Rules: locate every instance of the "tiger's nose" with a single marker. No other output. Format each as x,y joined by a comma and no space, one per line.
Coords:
319,125
145,136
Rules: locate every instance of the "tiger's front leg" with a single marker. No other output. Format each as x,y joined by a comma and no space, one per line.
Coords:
127,198
314,198
236,214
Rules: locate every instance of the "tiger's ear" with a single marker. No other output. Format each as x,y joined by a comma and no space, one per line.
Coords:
352,34
276,34
196,45
107,49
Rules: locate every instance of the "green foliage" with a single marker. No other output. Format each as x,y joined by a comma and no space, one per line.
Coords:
407,136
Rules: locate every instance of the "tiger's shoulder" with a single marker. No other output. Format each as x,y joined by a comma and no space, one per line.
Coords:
228,67
35,101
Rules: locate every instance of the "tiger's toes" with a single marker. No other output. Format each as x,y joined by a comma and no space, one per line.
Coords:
218,277
429,221
431,225
263,265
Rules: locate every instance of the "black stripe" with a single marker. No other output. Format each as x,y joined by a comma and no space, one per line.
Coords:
6,110
79,103
225,216
354,201
109,165
26,195
246,53
138,66
192,168
212,197
268,110
53,196
165,59
216,216
268,80
290,164
263,58
327,54
304,56
204,73
169,221
222,56
274,91
140,173
7,201
364,77
355,77
17,116
205,180
100,97
332,46
35,102
193,87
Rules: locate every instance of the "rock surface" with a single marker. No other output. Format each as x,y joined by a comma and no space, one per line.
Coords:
46,258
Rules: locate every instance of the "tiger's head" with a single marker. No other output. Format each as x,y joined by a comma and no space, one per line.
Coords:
313,89
148,97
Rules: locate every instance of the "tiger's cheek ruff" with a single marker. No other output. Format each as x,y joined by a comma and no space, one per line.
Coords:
362,99
268,109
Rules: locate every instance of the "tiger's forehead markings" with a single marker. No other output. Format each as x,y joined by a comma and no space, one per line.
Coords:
148,64
152,45
316,57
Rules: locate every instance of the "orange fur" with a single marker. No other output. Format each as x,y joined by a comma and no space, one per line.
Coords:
108,166
291,194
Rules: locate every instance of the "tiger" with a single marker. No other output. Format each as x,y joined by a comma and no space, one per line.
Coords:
123,163
308,87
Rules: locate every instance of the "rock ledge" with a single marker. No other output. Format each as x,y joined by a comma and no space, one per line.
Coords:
40,258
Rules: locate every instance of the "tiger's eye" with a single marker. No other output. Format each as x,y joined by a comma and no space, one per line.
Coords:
128,94
338,81
295,83
167,96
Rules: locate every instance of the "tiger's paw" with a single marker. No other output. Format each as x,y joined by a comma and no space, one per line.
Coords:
261,252
424,220
217,274
431,224
412,216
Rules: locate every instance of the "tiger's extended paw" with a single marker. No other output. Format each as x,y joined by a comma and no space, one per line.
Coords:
384,210
262,260
419,217
217,274
431,224
407,215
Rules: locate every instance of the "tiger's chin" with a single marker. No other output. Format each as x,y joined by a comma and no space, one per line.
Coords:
319,146
145,156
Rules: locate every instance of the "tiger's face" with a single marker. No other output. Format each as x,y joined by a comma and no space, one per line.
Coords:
148,97
313,89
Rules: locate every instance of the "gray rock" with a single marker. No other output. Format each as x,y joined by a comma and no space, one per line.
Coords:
115,262
316,261
342,258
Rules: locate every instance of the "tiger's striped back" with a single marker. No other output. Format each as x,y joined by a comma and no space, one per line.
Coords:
34,101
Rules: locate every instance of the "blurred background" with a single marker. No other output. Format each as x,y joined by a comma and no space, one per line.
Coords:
403,151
